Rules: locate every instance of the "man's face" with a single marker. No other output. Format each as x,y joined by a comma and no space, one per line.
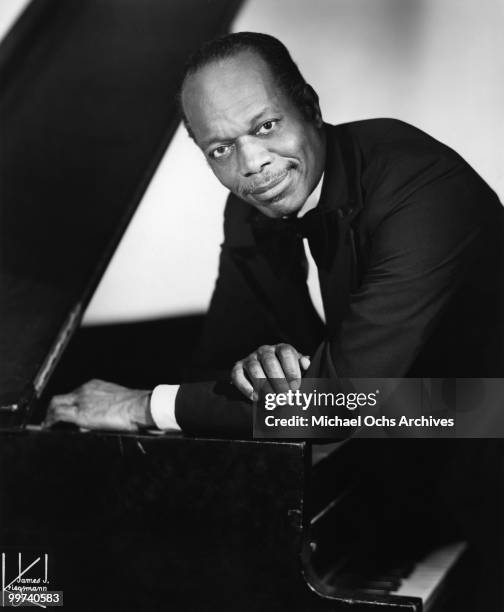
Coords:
256,141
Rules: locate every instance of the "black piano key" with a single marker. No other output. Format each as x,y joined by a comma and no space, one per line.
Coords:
384,582
359,581
401,569
382,592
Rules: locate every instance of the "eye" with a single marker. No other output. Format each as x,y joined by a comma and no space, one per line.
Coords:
220,151
267,127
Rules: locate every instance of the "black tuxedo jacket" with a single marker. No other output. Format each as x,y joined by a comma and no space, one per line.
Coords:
410,263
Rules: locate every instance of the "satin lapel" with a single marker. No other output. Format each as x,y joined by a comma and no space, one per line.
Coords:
341,193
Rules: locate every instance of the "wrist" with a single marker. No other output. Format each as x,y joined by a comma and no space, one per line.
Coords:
140,413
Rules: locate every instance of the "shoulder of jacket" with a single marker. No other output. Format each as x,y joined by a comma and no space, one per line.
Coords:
237,223
381,130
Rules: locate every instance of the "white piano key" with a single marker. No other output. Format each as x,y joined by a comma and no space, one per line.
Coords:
430,572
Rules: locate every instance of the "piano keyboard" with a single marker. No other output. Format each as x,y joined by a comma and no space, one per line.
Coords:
422,579
427,576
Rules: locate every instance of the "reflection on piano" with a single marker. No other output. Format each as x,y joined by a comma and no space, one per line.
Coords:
165,522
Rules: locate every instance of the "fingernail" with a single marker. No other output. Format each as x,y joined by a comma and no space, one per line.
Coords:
254,397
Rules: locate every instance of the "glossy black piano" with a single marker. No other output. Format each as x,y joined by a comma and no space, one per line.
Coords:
165,522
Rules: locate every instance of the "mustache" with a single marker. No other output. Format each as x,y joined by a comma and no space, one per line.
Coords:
263,182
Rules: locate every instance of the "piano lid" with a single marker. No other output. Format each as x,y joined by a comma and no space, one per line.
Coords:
87,108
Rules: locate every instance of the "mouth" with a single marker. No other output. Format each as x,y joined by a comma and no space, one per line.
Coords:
272,189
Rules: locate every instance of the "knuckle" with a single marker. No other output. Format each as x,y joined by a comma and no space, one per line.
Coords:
269,360
264,349
284,345
254,370
94,383
251,361
285,350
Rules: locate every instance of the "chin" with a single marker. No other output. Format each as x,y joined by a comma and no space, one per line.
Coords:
282,208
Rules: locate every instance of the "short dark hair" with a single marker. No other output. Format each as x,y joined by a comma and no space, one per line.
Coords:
272,51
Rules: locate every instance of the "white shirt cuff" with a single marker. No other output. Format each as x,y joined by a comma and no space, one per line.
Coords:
162,407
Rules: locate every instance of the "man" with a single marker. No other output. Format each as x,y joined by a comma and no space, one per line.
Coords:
406,238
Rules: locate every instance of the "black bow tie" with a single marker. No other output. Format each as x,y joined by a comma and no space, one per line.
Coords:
305,226
317,225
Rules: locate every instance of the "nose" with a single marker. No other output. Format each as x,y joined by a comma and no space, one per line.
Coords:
253,156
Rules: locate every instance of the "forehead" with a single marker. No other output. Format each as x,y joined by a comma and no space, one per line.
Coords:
226,94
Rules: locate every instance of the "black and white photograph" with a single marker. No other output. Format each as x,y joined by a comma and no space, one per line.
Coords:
252,305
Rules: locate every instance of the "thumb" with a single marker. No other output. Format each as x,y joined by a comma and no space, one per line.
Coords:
304,361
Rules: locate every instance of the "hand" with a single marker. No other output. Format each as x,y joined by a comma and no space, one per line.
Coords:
280,364
102,405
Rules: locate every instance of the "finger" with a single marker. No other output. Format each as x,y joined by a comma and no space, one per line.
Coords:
289,361
273,370
58,414
66,399
304,361
57,402
241,382
254,370
265,389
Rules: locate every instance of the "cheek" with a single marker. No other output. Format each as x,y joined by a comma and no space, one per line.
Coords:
292,146
223,174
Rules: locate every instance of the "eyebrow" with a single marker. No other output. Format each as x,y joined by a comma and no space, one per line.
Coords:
253,121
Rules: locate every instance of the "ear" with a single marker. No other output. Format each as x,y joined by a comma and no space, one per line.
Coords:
312,105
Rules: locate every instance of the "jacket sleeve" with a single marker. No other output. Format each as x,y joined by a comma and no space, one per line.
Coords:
431,260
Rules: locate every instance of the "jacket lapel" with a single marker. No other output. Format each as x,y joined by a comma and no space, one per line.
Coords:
341,194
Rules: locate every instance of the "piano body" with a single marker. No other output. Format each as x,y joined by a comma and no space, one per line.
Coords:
166,522
145,522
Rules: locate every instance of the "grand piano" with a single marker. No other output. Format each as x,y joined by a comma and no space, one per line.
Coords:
169,522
